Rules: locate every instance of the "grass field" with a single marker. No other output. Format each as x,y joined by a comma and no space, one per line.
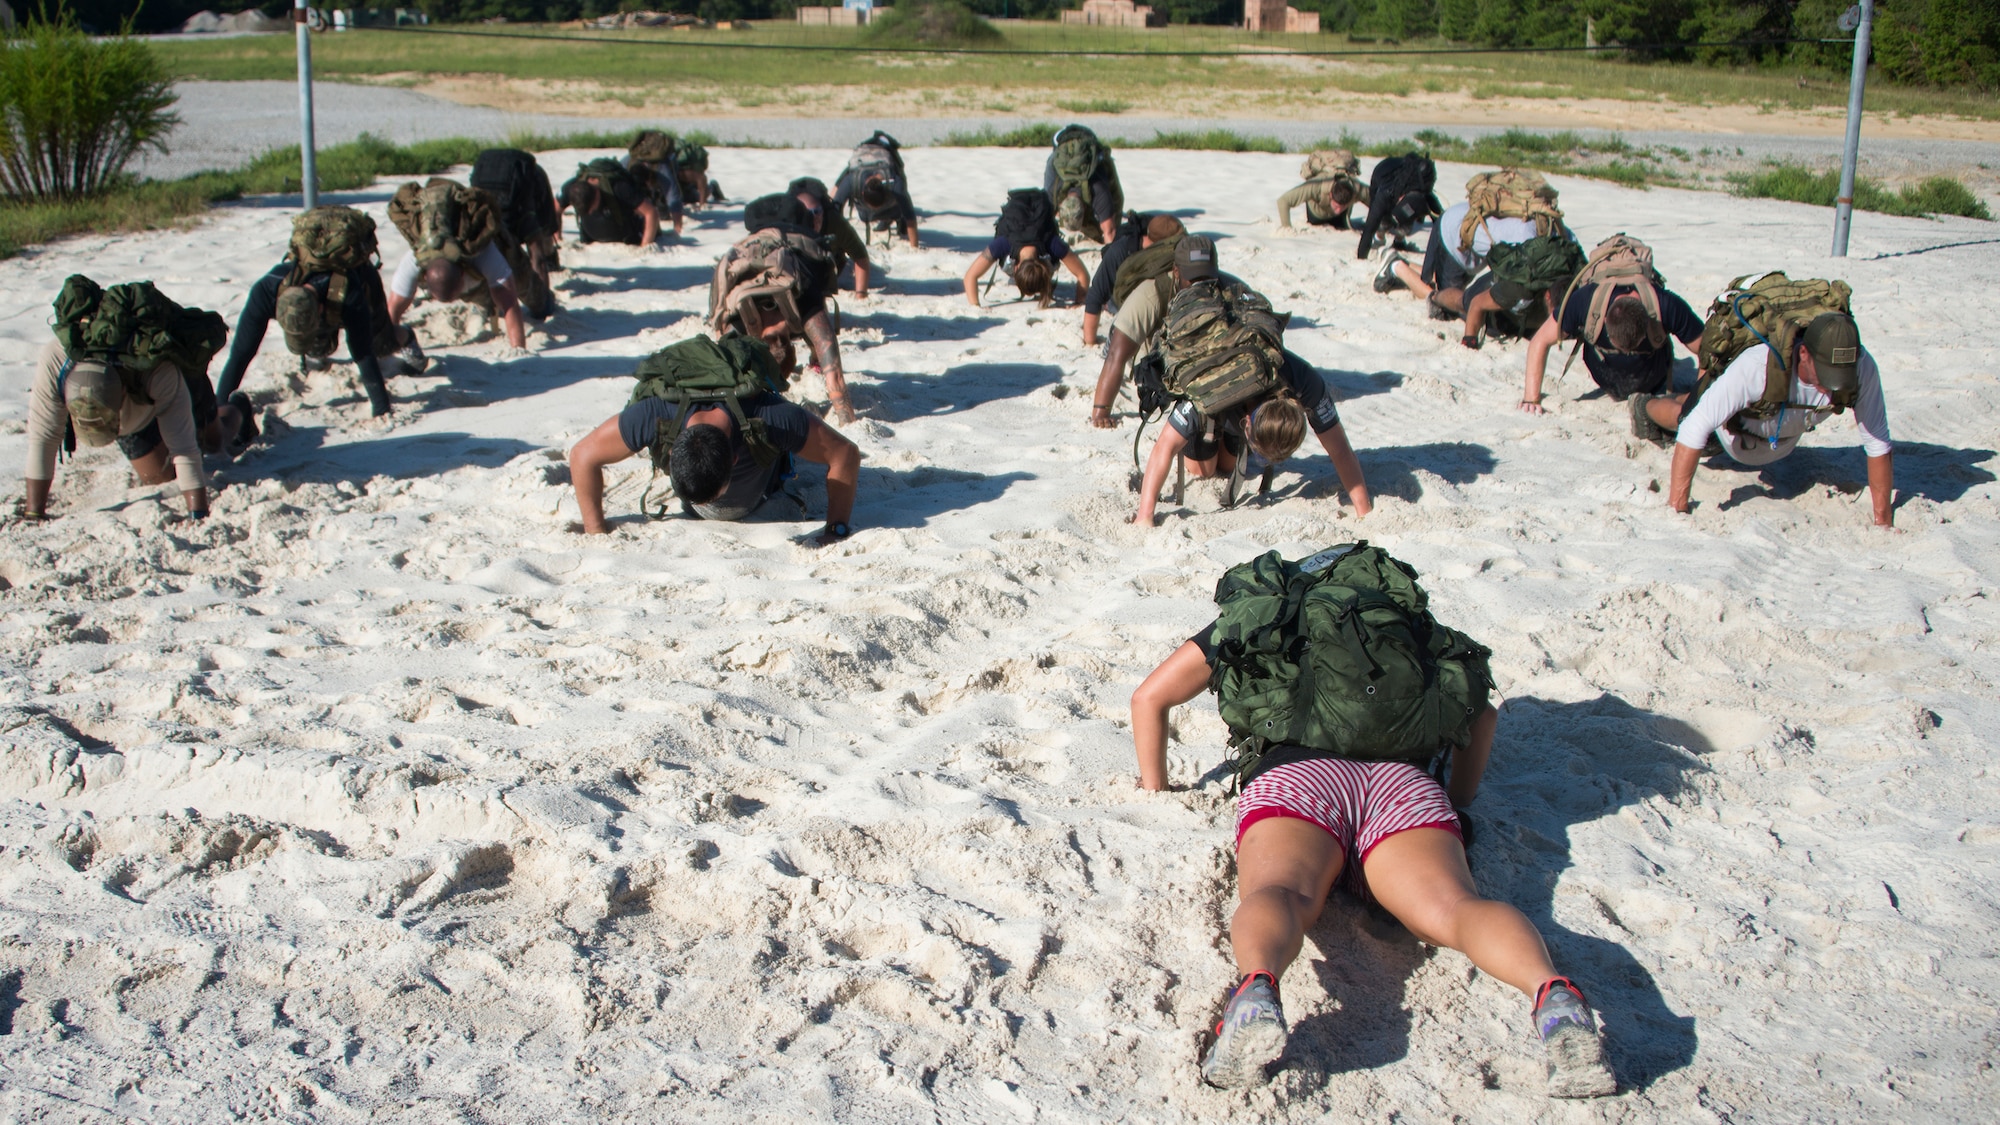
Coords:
761,66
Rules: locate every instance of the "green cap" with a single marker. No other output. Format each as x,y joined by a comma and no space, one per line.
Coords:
1835,345
94,396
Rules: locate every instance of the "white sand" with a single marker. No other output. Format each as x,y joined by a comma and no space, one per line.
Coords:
382,797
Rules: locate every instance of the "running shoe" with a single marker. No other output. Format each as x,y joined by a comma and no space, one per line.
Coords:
1249,1036
1386,280
1569,1034
1643,425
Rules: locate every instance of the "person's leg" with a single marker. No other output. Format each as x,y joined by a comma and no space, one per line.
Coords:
1666,411
151,467
1410,277
1284,869
1420,876
1451,299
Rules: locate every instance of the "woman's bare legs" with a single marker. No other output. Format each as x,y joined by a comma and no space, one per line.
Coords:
1284,869
1420,876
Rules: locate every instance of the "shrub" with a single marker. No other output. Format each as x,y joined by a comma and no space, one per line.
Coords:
75,110
1939,195
936,23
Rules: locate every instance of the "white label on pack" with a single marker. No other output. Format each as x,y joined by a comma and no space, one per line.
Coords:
1325,558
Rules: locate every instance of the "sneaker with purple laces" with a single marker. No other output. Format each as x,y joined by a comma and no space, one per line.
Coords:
1569,1034
1250,1034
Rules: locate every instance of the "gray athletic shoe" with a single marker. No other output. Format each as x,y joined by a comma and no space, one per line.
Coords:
1575,1049
1250,1035
1643,425
412,357
1386,280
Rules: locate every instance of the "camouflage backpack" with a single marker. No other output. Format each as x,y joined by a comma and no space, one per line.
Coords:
1330,163
765,277
1772,310
1510,193
1223,346
135,328
1079,157
330,240
652,146
444,219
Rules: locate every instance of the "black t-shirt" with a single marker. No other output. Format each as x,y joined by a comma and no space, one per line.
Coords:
617,217
1101,282
787,424
1628,372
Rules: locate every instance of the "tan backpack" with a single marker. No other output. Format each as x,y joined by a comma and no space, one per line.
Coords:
1618,260
762,278
1510,193
444,219
1330,163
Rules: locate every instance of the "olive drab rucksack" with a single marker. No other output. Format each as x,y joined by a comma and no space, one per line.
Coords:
690,156
1083,166
1338,653
1772,310
1541,262
444,219
728,371
1222,345
767,276
1510,193
135,328
652,146
1618,261
1155,263
333,241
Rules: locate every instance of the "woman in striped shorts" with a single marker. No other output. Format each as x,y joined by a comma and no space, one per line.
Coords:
1388,831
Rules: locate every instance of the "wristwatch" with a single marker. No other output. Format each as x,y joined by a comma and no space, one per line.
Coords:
839,530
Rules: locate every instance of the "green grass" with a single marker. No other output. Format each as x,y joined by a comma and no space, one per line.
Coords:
1938,195
1039,135
1094,105
135,205
672,65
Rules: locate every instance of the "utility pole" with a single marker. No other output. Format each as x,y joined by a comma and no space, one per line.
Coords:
1863,17
308,174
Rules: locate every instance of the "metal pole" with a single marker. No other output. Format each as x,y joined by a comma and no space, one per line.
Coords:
308,174
1843,206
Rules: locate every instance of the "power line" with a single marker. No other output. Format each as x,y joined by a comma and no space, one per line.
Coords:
1234,51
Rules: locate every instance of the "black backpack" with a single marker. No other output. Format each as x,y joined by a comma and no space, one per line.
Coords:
1026,219
778,210
1411,172
518,184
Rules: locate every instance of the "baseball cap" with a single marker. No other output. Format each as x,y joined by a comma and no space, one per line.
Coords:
94,396
1194,257
1835,344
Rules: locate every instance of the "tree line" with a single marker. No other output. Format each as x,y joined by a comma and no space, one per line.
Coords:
1917,42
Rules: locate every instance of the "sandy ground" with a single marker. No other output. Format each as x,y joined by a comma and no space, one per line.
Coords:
383,797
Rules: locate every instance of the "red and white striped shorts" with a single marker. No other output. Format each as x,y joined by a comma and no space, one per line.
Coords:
1360,804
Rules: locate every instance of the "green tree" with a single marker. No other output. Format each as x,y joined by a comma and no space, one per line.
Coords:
1940,42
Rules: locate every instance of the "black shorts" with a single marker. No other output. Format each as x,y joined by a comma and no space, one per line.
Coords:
201,402
1441,269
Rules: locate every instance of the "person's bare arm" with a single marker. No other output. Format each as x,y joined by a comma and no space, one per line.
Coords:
1882,488
1475,316
1074,265
826,446
1109,378
587,458
1166,447
973,273
650,216
1348,467
910,229
1090,321
37,504
1468,766
1546,337
861,279
1682,481
1109,228
1180,678
398,305
826,349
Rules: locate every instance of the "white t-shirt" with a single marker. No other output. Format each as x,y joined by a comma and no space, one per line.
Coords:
491,264
1742,383
1483,236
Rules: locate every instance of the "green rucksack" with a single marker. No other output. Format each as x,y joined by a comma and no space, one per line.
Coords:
1537,264
1079,156
690,157
1155,263
1772,310
136,328
1223,346
1338,653
701,369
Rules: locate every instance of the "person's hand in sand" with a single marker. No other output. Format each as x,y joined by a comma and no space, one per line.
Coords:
1307,809
1276,426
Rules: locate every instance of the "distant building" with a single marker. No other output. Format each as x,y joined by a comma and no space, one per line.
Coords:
1115,13
854,13
1276,15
